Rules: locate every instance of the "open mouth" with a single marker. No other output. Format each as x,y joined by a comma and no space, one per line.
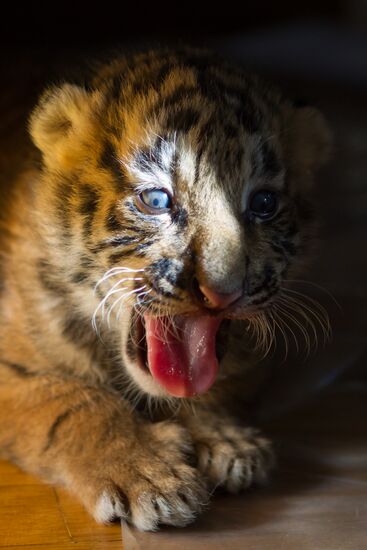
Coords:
181,353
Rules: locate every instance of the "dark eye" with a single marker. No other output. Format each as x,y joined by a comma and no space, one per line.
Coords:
156,200
263,204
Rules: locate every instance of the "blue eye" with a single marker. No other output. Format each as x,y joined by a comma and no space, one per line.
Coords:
156,199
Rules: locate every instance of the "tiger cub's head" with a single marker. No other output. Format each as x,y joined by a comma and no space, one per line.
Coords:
179,187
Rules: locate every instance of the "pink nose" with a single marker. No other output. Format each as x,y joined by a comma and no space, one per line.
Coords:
218,300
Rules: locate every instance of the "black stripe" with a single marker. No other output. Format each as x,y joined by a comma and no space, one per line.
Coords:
78,330
109,161
86,262
210,458
202,141
255,161
88,208
250,119
156,153
57,423
143,247
79,277
18,369
112,222
119,240
180,218
115,87
135,229
150,78
169,270
125,501
247,113
138,250
265,298
89,198
232,442
117,256
183,93
161,267
49,279
198,165
269,273
183,119
179,95
277,249
270,162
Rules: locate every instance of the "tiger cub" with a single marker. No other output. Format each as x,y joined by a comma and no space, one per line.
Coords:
170,201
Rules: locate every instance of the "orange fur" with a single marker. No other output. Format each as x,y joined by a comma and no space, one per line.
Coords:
67,393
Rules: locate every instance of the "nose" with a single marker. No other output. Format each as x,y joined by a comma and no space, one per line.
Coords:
218,300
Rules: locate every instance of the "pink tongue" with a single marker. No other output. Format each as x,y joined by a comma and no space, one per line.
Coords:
182,357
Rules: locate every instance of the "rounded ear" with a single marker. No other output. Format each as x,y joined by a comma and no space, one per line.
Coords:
61,112
309,140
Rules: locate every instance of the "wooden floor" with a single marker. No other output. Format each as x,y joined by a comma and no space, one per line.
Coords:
35,516
317,499
316,410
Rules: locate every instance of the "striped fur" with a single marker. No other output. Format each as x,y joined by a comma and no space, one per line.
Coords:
79,246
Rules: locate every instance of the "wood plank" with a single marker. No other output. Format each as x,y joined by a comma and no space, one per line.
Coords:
92,545
30,515
27,506
12,475
316,513
81,526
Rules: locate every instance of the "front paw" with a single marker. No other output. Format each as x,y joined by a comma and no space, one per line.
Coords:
149,483
229,455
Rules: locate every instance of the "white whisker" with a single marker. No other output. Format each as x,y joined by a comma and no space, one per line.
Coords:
116,271
123,297
117,288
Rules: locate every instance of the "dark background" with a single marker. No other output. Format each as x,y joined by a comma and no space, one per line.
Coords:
45,23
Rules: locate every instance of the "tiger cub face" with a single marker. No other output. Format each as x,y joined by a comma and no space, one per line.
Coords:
178,187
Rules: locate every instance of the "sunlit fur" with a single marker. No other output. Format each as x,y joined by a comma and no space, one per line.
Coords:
83,259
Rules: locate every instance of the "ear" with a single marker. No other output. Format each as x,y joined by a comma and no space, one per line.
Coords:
60,116
309,140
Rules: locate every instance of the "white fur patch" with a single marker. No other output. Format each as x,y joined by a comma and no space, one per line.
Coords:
107,509
187,165
150,511
148,173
